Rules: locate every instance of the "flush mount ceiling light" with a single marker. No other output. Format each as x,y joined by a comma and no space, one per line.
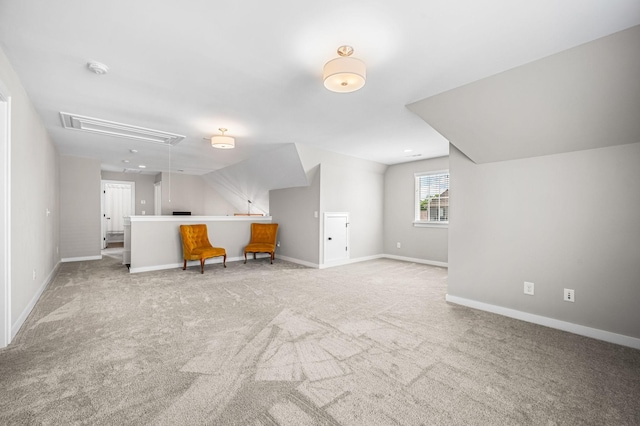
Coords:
222,141
344,74
98,67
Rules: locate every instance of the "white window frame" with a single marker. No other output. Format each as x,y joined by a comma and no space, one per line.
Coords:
424,223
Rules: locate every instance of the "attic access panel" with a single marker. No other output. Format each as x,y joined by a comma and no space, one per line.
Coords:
120,130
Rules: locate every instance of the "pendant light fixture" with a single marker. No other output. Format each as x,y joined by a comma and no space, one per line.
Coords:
222,141
344,74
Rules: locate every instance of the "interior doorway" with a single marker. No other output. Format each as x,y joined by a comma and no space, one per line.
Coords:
336,237
5,216
118,201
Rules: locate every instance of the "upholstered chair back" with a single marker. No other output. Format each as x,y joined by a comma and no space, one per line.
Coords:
263,240
196,246
193,237
264,233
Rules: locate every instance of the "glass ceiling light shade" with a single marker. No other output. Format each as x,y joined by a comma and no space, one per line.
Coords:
344,74
222,141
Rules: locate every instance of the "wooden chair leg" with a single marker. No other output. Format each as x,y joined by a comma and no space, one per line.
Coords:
254,254
272,256
224,261
202,266
185,265
245,257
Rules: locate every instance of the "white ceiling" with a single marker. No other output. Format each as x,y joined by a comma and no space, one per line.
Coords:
255,67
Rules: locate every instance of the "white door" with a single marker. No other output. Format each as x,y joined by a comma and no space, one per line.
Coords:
5,217
118,201
336,237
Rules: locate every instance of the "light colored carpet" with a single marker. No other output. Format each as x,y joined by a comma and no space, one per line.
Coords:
372,343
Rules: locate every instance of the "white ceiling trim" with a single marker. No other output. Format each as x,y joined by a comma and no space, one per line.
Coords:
120,130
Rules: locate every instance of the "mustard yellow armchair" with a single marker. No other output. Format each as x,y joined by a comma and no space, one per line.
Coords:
196,246
263,240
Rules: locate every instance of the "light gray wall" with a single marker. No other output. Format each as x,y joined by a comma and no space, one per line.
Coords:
253,178
581,98
156,242
144,188
559,221
425,243
346,184
215,204
293,209
34,190
181,192
361,193
80,231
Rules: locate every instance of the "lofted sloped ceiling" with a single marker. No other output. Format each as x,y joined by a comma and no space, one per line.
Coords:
584,97
246,185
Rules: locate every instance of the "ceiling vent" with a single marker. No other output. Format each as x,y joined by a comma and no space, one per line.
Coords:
119,130
134,171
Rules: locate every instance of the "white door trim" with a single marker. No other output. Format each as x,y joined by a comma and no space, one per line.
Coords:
157,198
5,225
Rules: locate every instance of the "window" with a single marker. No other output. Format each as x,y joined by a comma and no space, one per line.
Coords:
432,198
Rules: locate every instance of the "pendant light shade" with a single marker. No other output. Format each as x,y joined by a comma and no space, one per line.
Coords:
222,141
344,74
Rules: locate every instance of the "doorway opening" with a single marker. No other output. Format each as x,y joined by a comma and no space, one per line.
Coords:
118,201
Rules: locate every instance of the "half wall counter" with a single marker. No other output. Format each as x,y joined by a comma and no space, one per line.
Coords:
154,242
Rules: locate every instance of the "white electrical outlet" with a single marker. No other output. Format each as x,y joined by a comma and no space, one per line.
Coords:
398,245
278,244
528,288
34,274
569,295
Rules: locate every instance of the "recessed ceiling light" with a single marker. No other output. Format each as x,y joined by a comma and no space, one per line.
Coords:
408,150
142,166
133,151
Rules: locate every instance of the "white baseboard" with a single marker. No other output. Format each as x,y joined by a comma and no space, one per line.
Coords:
135,270
582,330
298,261
80,259
350,261
416,260
27,310
363,259
331,264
